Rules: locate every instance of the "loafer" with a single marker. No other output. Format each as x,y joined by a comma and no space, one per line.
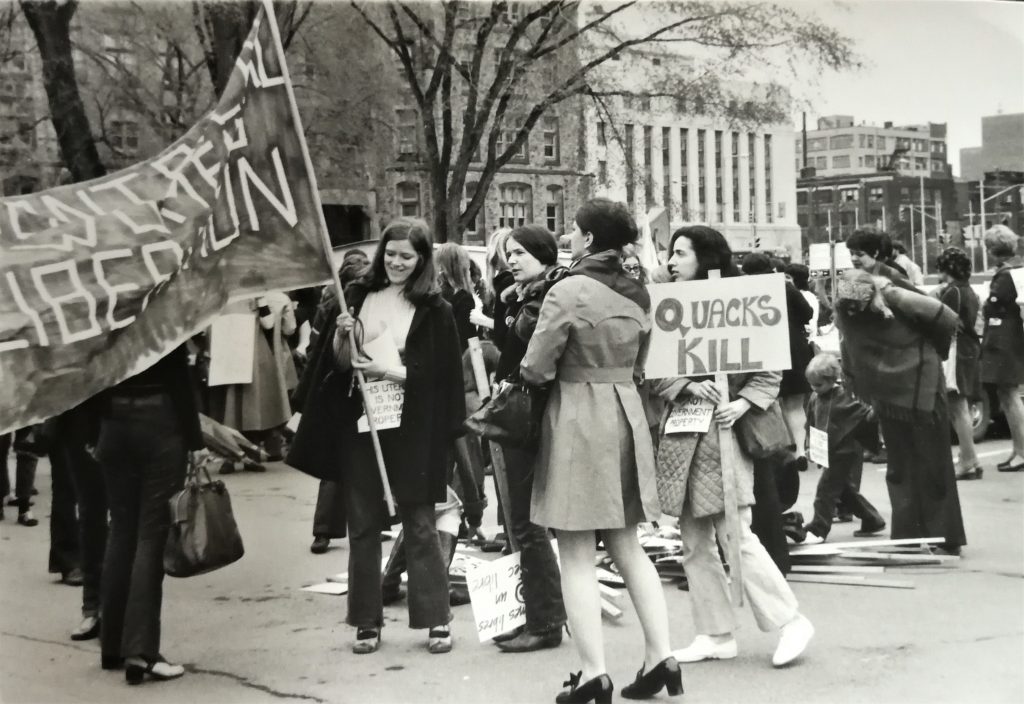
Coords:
508,635
1008,467
866,531
793,640
969,474
88,629
528,642
73,577
705,648
320,545
27,519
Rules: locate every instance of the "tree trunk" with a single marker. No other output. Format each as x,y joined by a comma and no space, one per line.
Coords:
50,23
229,25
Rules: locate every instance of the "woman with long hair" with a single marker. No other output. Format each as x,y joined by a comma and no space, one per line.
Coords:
456,287
397,296
691,486
500,281
595,468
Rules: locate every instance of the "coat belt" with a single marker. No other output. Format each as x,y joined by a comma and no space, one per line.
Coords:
595,375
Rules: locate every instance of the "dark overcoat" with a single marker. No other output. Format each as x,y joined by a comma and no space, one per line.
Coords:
1002,346
416,453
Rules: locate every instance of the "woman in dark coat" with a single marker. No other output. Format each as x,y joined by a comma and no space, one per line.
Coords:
1002,347
499,278
399,290
954,265
456,287
892,349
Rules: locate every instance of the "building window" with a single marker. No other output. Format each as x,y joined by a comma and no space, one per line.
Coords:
123,136
876,193
938,147
938,165
508,137
841,162
118,50
782,210
701,197
768,178
602,140
841,141
602,172
817,144
848,195
551,150
718,176
735,176
630,168
666,168
515,205
648,168
553,209
409,199
821,162
751,174
869,160
408,134
475,227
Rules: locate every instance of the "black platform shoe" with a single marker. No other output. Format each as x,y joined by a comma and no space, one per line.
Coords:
665,674
597,690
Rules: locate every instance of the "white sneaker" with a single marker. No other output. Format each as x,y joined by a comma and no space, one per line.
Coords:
793,640
812,539
705,648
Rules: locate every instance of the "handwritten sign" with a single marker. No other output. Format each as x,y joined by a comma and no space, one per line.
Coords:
496,593
690,416
232,349
730,325
818,449
1017,276
386,400
819,259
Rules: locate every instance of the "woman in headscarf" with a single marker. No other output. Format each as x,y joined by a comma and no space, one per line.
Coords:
893,344
955,268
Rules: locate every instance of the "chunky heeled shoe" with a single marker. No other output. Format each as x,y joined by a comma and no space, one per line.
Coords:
439,640
136,669
597,690
508,635
665,674
367,641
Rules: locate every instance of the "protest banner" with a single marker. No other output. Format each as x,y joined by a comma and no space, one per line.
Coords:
496,593
100,279
732,325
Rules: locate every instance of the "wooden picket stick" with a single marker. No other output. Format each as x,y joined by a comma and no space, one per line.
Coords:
728,452
271,19
483,390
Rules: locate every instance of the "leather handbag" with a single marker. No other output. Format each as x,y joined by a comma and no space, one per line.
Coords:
511,416
203,536
761,434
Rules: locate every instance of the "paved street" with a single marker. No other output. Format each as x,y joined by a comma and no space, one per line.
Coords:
248,634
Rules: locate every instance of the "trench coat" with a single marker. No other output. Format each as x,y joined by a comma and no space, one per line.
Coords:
416,454
1002,347
595,466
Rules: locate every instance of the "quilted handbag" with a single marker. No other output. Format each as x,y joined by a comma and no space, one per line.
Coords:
512,416
203,536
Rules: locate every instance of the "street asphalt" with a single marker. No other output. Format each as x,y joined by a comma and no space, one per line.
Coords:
248,634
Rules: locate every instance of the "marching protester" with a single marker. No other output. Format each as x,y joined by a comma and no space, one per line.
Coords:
501,282
691,486
24,478
532,256
892,348
833,410
867,249
964,384
901,259
398,297
632,266
595,467
1002,347
456,287
149,425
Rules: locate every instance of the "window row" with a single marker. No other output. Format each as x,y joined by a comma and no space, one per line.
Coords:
409,144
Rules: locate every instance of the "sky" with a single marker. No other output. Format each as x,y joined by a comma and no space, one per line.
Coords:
949,61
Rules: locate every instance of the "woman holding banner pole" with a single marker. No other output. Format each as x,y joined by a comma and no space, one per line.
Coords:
395,304
690,485
595,467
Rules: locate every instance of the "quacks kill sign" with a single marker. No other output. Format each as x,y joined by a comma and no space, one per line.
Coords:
730,325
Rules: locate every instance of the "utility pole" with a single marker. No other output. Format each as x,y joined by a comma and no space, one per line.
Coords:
924,232
984,249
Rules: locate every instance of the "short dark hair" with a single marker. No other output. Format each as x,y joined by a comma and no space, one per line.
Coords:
538,240
422,284
609,222
711,249
756,263
800,274
867,241
899,248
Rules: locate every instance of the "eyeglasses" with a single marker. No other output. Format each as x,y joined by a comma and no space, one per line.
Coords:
631,268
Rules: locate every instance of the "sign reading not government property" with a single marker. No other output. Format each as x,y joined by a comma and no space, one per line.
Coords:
737,324
100,279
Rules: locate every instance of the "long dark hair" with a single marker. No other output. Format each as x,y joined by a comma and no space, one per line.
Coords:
422,284
711,249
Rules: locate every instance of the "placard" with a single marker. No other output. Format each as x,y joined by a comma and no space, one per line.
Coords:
731,325
386,398
690,416
818,449
232,349
1017,276
818,258
496,593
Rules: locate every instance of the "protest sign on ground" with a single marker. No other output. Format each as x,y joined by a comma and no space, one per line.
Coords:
731,325
496,593
99,280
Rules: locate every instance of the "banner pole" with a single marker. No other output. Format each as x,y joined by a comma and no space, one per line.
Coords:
268,10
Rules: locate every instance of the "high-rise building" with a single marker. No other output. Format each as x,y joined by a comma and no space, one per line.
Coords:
1002,147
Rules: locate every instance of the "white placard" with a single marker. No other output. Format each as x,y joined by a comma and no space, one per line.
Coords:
731,325
232,349
496,593
1017,276
818,258
818,448
386,399
690,416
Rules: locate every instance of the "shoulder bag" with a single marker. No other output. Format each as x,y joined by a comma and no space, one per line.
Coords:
511,416
761,434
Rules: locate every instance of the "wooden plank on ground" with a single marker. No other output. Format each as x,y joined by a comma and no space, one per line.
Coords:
838,569
920,558
850,580
860,544
610,610
608,592
610,578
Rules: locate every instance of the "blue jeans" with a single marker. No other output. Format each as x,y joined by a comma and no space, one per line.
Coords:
143,455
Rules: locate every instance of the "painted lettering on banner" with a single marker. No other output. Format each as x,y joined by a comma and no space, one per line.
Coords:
727,325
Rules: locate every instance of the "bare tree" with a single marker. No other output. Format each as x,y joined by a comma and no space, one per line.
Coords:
509,63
